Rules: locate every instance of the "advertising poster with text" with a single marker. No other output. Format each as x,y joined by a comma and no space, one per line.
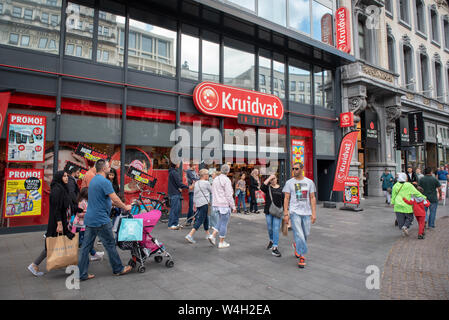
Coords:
351,194
26,138
298,152
23,192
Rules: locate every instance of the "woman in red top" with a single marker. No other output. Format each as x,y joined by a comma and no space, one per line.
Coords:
418,204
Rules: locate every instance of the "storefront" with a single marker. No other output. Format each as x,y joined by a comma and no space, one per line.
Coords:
119,78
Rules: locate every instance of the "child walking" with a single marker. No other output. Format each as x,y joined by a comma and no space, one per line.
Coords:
418,204
78,223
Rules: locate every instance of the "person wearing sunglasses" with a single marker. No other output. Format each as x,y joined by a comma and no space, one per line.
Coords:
300,208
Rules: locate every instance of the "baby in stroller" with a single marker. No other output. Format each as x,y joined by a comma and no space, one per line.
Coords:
149,246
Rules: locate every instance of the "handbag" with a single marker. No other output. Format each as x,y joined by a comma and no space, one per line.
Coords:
275,210
260,198
61,251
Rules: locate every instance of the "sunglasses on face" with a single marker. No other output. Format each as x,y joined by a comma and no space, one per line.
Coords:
296,168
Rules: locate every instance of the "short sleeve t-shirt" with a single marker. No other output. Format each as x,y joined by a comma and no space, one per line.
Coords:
442,175
300,195
99,208
430,185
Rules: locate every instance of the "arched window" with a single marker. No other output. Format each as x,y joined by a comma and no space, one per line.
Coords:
438,80
434,24
407,64
404,11
424,64
420,16
446,31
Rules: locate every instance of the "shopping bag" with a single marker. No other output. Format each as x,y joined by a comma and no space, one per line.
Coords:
61,251
284,228
130,230
260,197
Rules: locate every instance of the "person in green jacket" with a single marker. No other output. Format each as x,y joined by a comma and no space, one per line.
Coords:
404,212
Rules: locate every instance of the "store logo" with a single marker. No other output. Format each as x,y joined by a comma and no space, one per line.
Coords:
343,34
226,101
346,119
405,130
371,125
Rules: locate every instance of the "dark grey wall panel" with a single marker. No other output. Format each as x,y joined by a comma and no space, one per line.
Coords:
91,91
88,69
301,108
28,82
325,125
188,87
150,99
28,58
301,122
84,128
147,79
187,105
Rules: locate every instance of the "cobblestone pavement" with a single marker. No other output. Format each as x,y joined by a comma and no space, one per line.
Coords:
419,269
342,245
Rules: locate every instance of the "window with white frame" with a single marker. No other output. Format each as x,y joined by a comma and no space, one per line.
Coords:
404,11
434,24
420,16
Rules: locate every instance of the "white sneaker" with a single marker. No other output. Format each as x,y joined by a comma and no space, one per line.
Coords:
222,245
405,231
34,271
189,239
211,240
98,256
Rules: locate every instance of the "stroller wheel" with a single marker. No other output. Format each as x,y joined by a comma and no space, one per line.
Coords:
141,269
158,259
132,263
169,264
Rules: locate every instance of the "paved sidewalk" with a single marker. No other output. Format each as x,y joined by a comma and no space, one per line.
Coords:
342,244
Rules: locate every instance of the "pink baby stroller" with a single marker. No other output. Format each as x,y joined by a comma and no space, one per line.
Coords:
149,246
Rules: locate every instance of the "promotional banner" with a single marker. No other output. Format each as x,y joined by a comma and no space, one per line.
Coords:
89,153
402,133
347,146
342,31
298,152
352,190
71,165
23,192
443,191
141,177
370,129
26,138
4,101
416,127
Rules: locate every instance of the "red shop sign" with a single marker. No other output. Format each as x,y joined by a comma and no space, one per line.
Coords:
226,101
346,119
343,33
326,29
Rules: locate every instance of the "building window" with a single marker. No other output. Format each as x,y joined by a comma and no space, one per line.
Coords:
391,54
100,30
420,16
389,7
296,17
408,67
42,43
54,20
79,51
404,11
300,73
14,38
1,8
78,16
25,41
44,17
446,31
102,15
106,31
262,80
52,2
273,10
439,81
28,14
70,49
248,4
105,56
210,63
318,12
292,97
424,62
265,73
292,85
52,44
239,68
434,25
362,39
17,12
190,57
301,85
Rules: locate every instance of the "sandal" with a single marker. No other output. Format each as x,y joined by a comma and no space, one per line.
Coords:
126,270
89,277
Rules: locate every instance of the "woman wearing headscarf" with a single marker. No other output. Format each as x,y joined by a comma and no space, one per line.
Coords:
254,185
58,216
404,212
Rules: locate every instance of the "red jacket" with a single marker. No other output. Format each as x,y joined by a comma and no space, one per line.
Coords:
418,206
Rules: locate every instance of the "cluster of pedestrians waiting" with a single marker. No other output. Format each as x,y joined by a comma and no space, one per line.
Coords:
213,199
414,194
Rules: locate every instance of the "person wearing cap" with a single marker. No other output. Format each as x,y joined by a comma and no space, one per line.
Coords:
404,212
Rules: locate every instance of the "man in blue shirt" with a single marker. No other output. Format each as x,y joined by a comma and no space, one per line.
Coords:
97,221
442,174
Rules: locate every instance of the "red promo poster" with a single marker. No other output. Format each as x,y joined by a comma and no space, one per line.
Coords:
23,192
298,152
347,146
352,191
4,101
26,138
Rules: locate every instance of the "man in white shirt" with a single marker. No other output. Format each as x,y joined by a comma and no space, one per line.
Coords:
300,207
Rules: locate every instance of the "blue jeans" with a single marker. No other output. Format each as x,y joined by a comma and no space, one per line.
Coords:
241,199
223,221
202,218
190,212
175,210
273,226
213,218
104,232
81,238
430,218
301,230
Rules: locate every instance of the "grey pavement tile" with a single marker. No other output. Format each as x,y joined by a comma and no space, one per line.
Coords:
68,295
39,295
12,291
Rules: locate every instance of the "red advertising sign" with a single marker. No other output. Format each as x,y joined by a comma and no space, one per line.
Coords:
26,138
326,29
352,191
347,147
343,32
23,192
346,119
4,101
226,101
